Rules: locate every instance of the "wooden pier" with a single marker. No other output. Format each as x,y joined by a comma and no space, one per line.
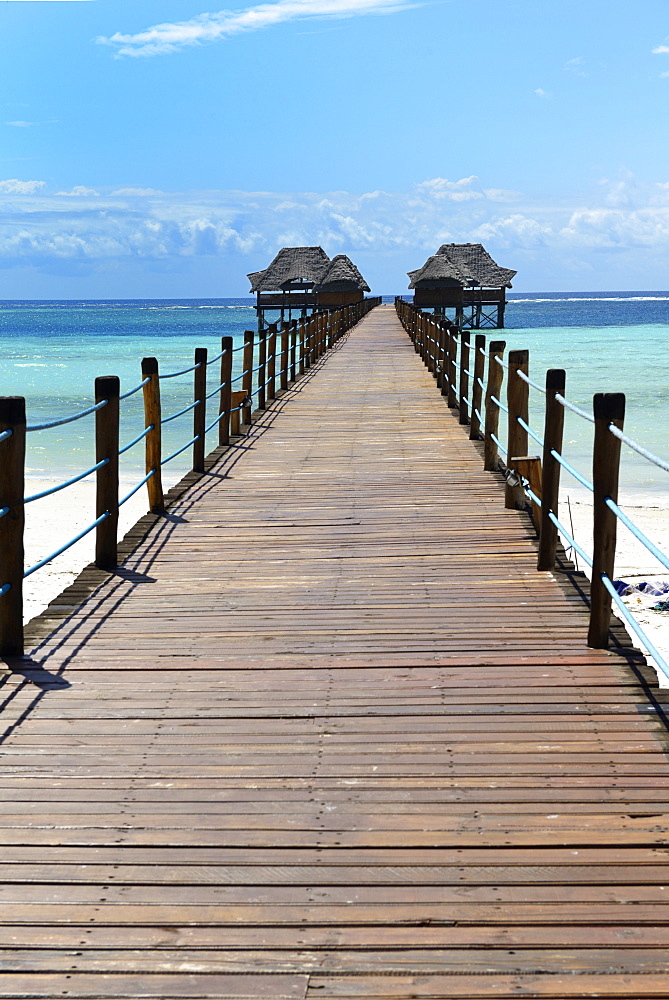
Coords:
328,733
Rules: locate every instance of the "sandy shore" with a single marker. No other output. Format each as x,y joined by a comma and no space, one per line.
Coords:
53,521
633,561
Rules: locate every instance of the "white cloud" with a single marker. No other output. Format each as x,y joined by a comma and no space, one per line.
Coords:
661,50
161,39
131,192
575,66
622,219
79,192
21,187
462,190
540,92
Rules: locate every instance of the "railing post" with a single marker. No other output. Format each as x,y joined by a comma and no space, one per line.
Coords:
106,478
609,408
200,410
262,365
225,397
247,378
153,448
271,363
293,349
550,467
464,377
477,387
493,388
12,491
301,333
452,367
283,366
517,400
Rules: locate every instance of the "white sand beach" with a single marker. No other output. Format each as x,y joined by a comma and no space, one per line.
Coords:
633,561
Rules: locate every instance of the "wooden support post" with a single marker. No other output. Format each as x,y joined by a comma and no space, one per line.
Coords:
293,350
262,366
225,397
493,388
237,397
301,333
464,378
550,475
106,478
12,491
247,377
153,448
200,410
477,387
517,400
529,467
271,363
440,334
283,364
452,367
609,408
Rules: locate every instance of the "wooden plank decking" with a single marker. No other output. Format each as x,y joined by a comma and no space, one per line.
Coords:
328,733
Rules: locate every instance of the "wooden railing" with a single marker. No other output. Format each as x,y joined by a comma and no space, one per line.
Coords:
271,361
473,388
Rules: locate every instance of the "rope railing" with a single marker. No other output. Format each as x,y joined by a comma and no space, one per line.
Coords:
68,482
67,420
282,358
445,350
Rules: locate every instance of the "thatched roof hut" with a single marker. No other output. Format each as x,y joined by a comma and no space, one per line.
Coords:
293,267
341,275
464,276
303,279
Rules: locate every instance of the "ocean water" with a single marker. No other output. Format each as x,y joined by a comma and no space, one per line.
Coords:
51,352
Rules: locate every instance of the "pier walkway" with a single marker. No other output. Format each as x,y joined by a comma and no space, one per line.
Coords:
329,734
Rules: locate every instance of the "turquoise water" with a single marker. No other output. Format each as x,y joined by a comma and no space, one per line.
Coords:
51,352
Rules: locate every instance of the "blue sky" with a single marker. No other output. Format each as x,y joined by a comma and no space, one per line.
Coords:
165,148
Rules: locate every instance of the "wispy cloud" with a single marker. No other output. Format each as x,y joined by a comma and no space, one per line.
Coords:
575,66
26,124
21,187
162,39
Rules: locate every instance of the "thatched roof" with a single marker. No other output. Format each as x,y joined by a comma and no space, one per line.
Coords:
302,265
439,270
341,275
463,264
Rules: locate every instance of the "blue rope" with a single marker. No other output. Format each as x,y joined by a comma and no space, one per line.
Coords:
500,361
502,407
4,510
216,420
636,628
499,444
478,414
526,427
639,449
174,416
174,454
136,488
68,420
526,378
68,482
5,588
638,534
184,372
131,392
574,409
572,541
217,358
572,471
139,437
3,437
214,391
240,348
531,494
64,548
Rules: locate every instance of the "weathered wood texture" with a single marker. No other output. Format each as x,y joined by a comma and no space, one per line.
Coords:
328,733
